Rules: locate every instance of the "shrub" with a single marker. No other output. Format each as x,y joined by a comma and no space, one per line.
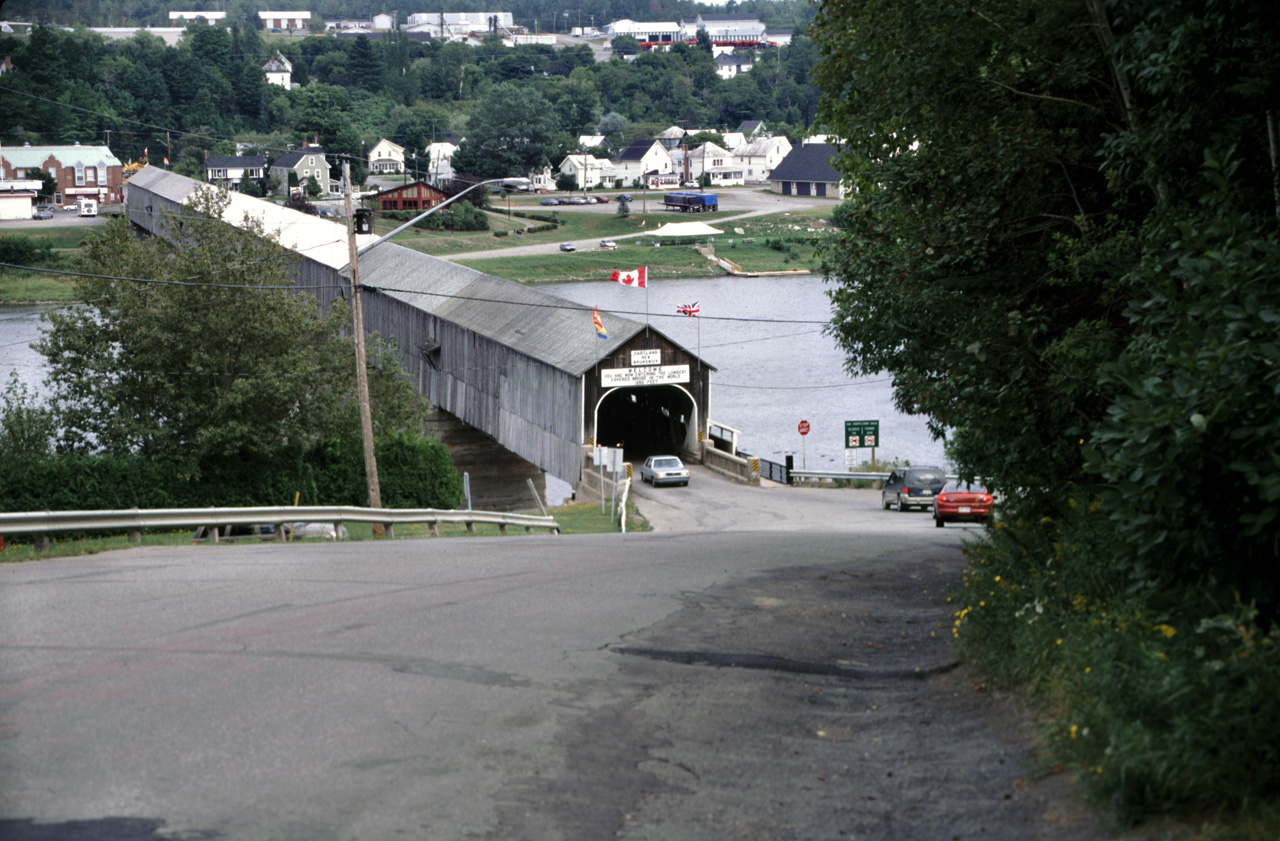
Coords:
1161,707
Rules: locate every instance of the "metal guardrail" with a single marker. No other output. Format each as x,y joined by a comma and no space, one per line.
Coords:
837,474
135,520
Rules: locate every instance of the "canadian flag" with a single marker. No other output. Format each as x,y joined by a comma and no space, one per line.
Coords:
637,277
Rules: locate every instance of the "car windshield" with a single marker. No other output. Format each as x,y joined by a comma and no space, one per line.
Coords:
666,462
965,487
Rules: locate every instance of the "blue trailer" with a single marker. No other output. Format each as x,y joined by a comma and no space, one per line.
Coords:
688,202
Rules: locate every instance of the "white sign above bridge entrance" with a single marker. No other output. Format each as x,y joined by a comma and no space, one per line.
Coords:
659,375
646,357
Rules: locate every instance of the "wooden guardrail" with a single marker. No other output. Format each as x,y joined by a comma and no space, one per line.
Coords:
135,520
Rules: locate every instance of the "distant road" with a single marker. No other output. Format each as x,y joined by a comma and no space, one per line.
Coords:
735,204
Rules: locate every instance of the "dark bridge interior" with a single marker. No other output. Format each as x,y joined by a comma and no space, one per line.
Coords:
644,420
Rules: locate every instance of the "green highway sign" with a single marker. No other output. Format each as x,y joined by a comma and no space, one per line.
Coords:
861,433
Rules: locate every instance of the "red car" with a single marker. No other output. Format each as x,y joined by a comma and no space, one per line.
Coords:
961,501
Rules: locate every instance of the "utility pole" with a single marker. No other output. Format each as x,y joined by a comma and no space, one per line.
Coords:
362,374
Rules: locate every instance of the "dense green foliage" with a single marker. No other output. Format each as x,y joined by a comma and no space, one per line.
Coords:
414,472
350,92
216,355
1063,248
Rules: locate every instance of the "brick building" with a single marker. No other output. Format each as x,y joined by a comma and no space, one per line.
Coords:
80,171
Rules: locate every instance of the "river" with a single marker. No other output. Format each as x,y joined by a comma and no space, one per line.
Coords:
770,375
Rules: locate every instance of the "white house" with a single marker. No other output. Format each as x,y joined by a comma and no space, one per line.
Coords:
641,160
279,71
758,158
731,64
440,159
285,20
227,172
714,161
383,22
386,157
587,170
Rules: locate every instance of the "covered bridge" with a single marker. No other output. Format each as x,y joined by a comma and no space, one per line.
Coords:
521,366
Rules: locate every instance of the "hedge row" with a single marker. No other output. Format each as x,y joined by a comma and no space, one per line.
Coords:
413,473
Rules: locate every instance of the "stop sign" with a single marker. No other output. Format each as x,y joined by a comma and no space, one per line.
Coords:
804,427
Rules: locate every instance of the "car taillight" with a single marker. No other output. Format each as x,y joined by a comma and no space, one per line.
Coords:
986,498
906,490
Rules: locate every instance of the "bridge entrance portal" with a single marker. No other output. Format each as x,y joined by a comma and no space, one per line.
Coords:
647,420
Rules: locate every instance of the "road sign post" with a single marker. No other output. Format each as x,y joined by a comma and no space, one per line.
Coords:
861,433
803,428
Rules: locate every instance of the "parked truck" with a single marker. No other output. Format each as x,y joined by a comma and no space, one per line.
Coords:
689,202
87,207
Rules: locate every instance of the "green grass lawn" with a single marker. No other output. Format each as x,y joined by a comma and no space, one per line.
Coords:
22,287
744,243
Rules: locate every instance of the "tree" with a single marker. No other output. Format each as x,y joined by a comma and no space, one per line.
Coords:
27,428
625,45
968,269
209,353
1059,246
313,188
514,131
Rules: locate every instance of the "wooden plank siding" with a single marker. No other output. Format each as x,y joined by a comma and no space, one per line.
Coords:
515,363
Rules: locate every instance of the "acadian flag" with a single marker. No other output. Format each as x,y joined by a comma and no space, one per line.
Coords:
166,160
638,277
595,319
689,309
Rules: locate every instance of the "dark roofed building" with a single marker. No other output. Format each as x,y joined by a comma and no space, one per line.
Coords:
807,171
229,172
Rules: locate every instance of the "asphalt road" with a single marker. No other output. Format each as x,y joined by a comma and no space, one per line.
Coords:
768,663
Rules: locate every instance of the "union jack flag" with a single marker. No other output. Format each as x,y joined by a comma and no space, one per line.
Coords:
688,309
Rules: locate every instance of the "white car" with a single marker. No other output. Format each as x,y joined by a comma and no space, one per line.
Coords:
664,470
608,244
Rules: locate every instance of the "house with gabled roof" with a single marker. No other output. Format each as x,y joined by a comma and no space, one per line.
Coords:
440,159
279,71
307,162
228,172
758,158
588,170
712,160
386,156
732,64
807,171
640,160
